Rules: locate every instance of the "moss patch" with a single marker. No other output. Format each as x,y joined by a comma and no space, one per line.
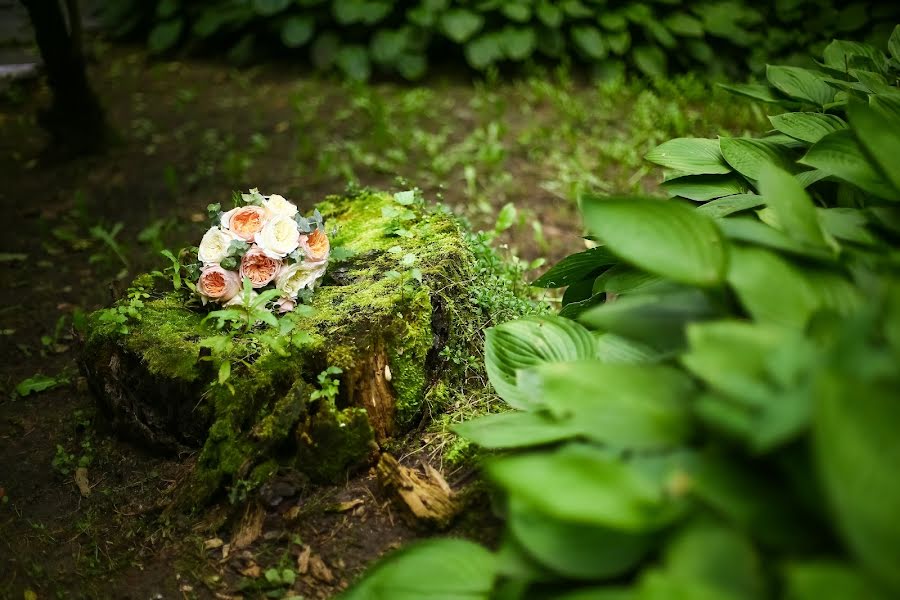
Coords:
402,312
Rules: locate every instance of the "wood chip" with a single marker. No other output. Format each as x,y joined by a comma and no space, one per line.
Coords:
303,560
252,570
345,506
427,497
250,527
81,480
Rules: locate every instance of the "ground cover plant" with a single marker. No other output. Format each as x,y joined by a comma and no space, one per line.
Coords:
357,37
717,421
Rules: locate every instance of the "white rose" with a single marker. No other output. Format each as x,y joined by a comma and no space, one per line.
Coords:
297,276
214,246
279,237
277,205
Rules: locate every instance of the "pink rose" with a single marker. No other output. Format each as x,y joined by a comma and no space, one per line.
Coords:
217,284
259,268
245,221
315,246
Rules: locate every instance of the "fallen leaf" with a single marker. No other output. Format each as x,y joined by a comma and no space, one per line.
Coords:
345,506
319,570
213,543
303,560
81,480
251,570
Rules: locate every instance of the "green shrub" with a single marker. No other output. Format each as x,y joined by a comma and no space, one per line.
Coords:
721,420
400,37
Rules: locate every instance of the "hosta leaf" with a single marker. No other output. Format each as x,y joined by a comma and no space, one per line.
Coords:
461,24
518,42
549,14
484,50
690,156
770,289
829,580
267,8
165,35
627,406
747,156
575,267
878,132
806,126
705,187
583,484
662,237
855,451
684,24
387,45
763,93
793,208
658,320
838,54
894,43
801,84
706,561
354,62
840,155
589,40
846,224
297,30
650,60
456,569
730,205
516,429
527,343
574,550
753,231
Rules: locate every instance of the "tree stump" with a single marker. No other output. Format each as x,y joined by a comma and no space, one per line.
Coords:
406,286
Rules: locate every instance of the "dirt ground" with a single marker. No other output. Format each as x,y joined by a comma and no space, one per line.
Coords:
60,541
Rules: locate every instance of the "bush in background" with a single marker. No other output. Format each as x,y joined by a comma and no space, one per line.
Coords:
356,36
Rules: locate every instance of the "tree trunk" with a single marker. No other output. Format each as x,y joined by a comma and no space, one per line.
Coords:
75,119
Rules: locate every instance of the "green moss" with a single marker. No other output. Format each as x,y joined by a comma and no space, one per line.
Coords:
429,322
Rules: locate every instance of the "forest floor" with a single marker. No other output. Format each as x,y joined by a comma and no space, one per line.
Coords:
188,133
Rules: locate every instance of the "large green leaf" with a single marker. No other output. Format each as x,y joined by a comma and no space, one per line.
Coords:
575,267
165,35
706,561
518,42
839,54
858,458
650,60
807,126
588,39
453,568
728,205
267,8
584,484
657,320
517,429
801,84
770,289
791,206
753,231
629,406
388,45
848,224
297,30
574,550
354,62
484,50
840,155
460,24
705,187
527,343
763,93
662,237
747,155
894,43
878,132
829,580
690,156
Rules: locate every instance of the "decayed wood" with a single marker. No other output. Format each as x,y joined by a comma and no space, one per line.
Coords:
369,387
426,496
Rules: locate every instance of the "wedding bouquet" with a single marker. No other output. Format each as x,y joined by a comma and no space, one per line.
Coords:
266,241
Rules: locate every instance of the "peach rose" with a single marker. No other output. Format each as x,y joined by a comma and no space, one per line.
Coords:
217,284
245,221
259,268
285,304
315,246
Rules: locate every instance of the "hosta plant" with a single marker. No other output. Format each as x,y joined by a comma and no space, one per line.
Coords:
718,417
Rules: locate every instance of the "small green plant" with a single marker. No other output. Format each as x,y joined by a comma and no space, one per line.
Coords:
328,384
120,315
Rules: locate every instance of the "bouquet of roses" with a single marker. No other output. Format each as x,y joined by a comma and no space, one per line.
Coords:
267,241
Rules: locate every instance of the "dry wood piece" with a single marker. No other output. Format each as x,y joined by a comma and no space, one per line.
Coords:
250,527
426,495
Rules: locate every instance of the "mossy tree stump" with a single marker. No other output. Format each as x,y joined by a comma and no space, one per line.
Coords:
405,284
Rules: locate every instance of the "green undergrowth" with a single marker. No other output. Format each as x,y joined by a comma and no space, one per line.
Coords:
406,280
